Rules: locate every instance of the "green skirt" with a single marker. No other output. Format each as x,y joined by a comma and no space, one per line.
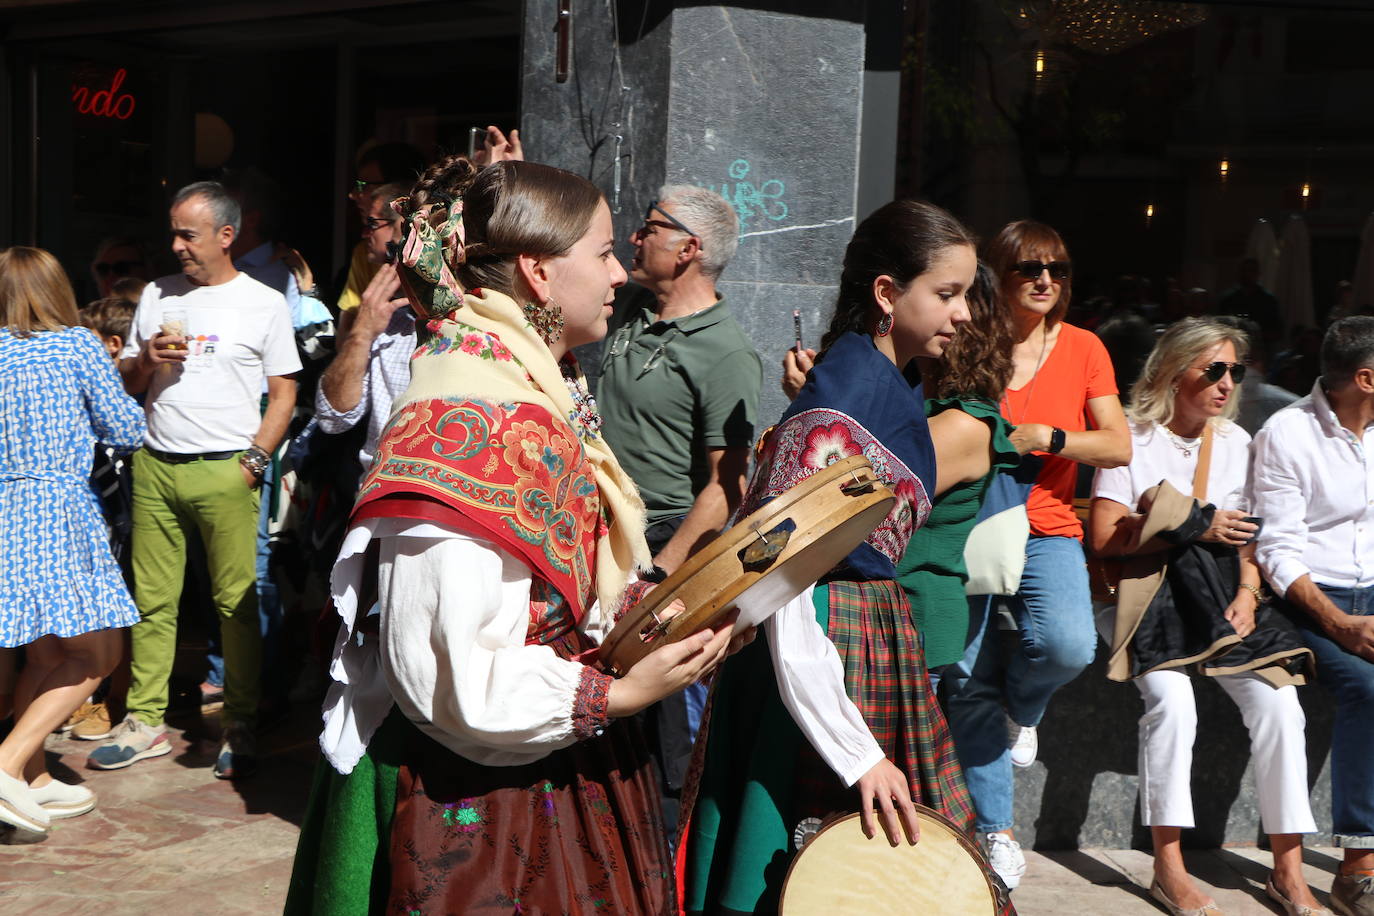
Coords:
756,776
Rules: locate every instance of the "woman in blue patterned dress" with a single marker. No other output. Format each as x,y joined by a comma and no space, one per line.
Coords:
61,593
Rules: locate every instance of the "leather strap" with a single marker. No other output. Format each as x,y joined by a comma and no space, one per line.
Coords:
1204,465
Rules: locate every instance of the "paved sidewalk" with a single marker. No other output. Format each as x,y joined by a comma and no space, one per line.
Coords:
169,838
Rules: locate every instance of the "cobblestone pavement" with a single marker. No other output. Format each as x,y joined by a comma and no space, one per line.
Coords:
169,838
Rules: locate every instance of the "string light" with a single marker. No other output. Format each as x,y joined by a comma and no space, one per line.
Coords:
1225,169
1149,214
1039,64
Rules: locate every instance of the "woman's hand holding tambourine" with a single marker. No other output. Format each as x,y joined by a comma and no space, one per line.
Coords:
671,667
885,785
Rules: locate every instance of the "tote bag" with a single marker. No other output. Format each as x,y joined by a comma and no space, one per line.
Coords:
995,554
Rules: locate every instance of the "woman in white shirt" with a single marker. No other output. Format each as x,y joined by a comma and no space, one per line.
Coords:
1186,395
475,757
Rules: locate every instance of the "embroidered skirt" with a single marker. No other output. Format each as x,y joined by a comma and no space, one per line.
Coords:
416,829
756,778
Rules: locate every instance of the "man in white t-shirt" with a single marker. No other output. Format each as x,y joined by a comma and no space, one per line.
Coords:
201,344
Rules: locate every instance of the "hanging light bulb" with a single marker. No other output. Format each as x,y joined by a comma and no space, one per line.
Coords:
1224,168
1039,64
1149,214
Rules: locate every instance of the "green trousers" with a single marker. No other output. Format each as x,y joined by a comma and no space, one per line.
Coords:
170,500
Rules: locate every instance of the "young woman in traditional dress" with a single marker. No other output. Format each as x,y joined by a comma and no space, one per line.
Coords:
844,659
473,763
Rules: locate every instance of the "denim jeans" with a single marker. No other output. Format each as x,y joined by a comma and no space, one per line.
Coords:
1055,641
1350,681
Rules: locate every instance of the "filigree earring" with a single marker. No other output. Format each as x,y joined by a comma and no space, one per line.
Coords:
546,318
885,324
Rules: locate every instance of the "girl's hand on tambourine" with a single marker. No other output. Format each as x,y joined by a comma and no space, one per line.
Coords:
885,785
668,669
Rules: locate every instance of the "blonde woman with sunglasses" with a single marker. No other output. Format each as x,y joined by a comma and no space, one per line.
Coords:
1205,615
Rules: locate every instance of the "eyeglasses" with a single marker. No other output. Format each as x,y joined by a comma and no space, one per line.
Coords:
373,223
621,345
672,221
1031,270
1213,372
360,185
118,268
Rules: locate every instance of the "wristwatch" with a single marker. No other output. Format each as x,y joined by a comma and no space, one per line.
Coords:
255,460
1057,438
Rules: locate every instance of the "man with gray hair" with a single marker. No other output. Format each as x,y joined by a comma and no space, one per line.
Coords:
1312,480
680,380
679,396
201,344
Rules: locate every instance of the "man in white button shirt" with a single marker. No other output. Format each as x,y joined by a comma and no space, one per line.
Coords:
1313,484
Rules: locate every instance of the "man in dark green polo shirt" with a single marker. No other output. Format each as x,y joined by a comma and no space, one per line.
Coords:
680,380
679,397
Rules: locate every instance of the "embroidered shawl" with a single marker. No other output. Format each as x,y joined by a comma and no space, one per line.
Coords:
494,428
855,401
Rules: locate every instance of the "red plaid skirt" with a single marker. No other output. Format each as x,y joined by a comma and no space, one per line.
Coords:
755,778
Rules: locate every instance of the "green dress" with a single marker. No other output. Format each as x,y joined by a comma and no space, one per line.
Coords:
932,570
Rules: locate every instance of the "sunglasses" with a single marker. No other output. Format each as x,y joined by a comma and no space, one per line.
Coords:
1213,372
118,268
672,221
1031,270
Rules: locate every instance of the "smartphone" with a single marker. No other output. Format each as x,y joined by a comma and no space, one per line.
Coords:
1257,522
475,136
796,326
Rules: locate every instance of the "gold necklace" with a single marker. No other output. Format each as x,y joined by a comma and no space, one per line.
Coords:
1035,377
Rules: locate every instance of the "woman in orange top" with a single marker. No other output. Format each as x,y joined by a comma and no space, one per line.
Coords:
1063,402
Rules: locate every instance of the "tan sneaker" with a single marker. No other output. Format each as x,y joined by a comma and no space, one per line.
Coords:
95,725
76,718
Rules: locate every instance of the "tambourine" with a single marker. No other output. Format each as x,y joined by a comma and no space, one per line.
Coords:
839,872
760,563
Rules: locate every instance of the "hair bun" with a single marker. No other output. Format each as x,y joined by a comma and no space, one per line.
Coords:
442,183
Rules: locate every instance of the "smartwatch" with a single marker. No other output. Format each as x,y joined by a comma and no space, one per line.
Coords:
1057,438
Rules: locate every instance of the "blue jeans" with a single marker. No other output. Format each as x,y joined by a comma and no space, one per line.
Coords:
1350,681
1056,641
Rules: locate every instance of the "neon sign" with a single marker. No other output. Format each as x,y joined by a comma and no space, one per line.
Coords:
105,103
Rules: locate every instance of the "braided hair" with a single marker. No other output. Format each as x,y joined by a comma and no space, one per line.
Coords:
899,240
509,208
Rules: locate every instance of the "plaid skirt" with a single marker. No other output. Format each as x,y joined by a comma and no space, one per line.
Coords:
755,779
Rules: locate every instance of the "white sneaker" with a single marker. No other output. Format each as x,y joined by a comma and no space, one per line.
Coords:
61,799
1024,743
21,811
1005,857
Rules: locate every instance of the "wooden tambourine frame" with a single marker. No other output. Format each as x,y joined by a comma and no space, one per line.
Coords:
761,563
840,872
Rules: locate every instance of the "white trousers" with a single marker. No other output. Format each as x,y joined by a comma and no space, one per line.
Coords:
1278,747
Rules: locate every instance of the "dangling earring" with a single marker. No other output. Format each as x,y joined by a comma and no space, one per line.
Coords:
546,319
885,324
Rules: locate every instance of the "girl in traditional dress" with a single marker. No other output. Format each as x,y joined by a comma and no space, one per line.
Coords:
474,764
844,659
